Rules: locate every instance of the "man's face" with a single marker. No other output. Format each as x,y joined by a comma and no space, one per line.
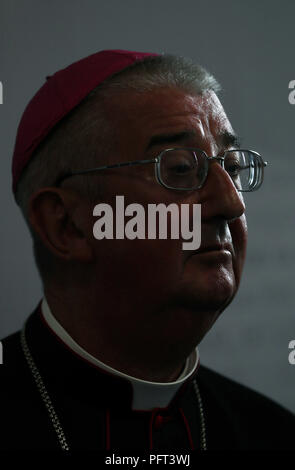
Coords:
169,288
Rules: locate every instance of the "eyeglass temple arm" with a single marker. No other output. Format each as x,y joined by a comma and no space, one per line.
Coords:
105,167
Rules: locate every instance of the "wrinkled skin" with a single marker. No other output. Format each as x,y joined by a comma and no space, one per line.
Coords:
148,303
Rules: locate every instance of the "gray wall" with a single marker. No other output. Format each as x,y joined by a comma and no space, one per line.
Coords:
249,46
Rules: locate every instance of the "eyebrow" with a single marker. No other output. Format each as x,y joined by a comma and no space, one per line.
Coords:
229,139
226,139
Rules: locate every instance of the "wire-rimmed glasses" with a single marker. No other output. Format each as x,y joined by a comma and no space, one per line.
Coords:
186,169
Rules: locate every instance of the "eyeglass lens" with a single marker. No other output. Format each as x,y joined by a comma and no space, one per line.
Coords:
187,169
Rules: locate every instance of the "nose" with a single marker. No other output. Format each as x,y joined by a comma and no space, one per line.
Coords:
219,196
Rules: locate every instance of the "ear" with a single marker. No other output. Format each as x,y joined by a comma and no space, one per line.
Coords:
53,215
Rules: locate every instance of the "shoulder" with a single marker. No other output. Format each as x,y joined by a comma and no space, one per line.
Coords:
12,355
14,362
13,370
257,420
238,394
23,415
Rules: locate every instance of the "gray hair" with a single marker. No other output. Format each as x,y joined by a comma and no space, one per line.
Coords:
74,142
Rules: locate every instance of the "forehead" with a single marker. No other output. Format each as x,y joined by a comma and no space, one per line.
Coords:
139,116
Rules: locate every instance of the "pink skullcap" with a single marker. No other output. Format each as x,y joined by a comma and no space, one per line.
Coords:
59,95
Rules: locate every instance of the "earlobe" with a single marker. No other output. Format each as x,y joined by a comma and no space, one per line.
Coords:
52,218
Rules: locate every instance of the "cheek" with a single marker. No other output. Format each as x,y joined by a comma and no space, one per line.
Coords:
160,261
239,233
153,263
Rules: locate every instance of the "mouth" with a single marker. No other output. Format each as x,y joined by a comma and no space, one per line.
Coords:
219,247
216,250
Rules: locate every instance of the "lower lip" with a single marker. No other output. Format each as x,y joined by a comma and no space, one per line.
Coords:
214,253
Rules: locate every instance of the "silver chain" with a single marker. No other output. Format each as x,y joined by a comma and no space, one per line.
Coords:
202,416
52,413
43,392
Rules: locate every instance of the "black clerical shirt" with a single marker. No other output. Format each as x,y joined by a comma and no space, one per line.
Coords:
94,407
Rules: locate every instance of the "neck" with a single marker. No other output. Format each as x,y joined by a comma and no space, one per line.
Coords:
107,336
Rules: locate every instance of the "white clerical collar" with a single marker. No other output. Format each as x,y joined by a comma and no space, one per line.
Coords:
146,395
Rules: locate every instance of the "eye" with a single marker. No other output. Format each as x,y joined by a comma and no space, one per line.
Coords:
234,169
234,164
180,163
181,168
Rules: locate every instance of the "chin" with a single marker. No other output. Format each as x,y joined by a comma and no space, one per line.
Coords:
207,301
209,287
210,293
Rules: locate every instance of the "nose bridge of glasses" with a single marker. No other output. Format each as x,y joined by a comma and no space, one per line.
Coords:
218,158
221,160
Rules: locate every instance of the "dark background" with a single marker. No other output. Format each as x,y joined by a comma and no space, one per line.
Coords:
249,47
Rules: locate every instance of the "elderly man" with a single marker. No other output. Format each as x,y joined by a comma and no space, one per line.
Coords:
109,359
